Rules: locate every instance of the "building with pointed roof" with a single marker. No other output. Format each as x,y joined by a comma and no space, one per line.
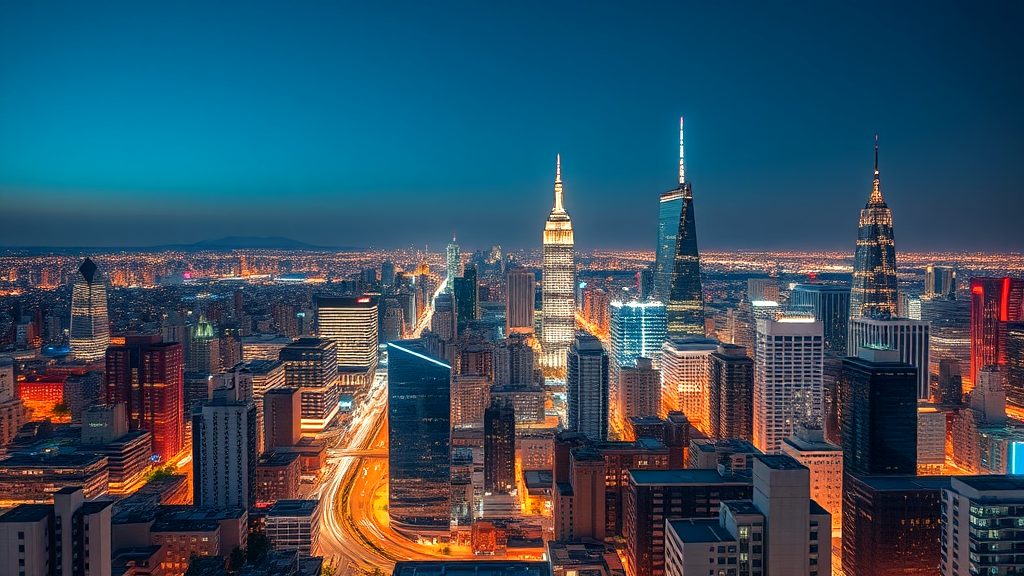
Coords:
558,311
90,326
677,280
873,293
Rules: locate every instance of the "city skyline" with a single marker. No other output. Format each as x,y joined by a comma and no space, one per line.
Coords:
154,140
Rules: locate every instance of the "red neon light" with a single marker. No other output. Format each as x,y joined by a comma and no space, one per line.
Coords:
363,299
978,289
1004,306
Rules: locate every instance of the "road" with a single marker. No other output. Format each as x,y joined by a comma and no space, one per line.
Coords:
355,536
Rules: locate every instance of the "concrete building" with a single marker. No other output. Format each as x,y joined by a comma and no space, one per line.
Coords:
294,525
825,463
991,507
558,302
470,396
639,390
931,439
520,301
909,337
224,451
311,365
730,393
788,384
685,368
587,391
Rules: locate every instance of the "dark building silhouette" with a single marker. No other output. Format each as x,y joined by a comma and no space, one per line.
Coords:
879,414
950,385
466,297
731,393
499,447
587,387
830,305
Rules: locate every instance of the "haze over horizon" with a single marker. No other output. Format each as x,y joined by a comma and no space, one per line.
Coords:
347,126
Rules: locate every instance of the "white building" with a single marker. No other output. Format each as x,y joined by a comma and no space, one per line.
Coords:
685,372
981,531
787,378
558,301
931,439
909,337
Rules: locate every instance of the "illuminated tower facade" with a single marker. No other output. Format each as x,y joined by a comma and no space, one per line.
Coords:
677,262
995,303
558,321
873,293
90,327
454,256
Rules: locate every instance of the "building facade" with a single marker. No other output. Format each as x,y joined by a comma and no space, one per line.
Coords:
558,300
873,293
90,325
788,384
586,385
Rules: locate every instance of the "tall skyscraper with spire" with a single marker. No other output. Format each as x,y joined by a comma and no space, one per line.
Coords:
558,320
677,261
873,293
90,326
454,259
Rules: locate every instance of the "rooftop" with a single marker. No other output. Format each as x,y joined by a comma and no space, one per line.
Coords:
993,482
694,476
697,530
274,459
293,508
27,513
472,568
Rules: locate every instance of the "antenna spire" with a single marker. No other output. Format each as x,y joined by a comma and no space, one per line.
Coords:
682,170
558,184
876,154
876,186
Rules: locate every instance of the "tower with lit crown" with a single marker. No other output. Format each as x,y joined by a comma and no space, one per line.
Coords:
677,262
558,321
454,256
873,293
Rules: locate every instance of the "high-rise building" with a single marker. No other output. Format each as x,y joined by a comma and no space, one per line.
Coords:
148,376
677,280
891,524
311,365
295,525
781,530
202,355
993,504
830,305
224,451
454,264
587,387
282,417
684,378
520,301
419,428
499,448
950,332
466,298
878,397
90,326
873,293
387,273
995,302
558,299
940,282
1015,365
910,338
637,329
70,537
470,395
788,385
639,390
730,393
513,362
352,324
825,461
950,388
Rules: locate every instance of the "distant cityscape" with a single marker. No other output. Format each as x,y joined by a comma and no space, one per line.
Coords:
257,406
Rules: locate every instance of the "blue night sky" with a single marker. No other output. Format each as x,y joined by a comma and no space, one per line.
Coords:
392,124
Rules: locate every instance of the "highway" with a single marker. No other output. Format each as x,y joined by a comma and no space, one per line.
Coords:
355,537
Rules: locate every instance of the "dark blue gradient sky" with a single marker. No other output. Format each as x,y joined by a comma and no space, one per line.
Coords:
393,123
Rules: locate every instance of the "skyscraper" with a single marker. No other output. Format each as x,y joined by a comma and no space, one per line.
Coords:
788,383
453,261
999,501
639,390
499,448
311,365
224,451
1015,364
684,378
730,393
637,330
587,387
995,302
352,324
466,297
940,282
419,428
873,292
677,280
830,305
879,413
910,338
520,300
90,327
558,305
148,376
203,352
